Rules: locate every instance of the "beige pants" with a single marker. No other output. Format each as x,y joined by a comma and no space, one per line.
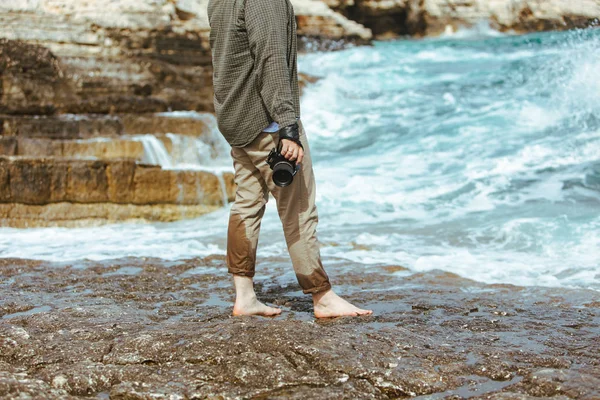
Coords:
296,207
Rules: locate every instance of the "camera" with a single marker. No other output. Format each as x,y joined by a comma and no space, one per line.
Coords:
283,170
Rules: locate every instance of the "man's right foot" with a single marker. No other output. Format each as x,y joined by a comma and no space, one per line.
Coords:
254,307
330,305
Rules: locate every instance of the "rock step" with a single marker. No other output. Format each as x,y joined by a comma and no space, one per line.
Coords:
67,126
43,181
101,148
183,123
81,126
165,150
74,215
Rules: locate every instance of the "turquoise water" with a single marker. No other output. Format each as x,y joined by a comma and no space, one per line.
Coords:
477,154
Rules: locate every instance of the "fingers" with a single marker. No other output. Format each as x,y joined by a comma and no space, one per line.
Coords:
290,150
294,153
284,147
300,156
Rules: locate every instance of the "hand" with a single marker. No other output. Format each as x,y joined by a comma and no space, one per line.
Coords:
292,151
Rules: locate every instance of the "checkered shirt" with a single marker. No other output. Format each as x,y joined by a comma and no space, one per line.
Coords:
255,73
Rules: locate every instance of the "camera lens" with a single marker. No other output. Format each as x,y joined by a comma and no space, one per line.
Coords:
283,174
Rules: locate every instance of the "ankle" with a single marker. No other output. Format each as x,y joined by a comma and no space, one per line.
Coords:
322,298
244,288
245,297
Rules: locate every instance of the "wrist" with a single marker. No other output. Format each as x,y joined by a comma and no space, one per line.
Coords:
291,132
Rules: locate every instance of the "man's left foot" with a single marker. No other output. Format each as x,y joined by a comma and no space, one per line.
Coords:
330,305
252,306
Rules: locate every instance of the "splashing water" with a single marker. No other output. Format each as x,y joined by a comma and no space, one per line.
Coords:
480,157
477,154
187,152
155,152
212,145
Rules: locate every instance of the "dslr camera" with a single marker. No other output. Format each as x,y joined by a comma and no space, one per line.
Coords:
284,170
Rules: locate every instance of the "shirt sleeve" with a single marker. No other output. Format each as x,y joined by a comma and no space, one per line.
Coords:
267,28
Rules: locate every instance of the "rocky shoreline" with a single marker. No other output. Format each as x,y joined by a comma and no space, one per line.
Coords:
98,70
84,86
152,329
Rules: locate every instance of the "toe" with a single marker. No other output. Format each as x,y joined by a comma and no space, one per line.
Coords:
273,311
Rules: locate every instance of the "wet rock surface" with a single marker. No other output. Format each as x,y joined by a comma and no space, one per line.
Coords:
139,328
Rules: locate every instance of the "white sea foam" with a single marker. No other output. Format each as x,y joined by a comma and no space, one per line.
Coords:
480,30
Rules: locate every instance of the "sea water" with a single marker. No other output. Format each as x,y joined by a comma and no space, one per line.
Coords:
477,154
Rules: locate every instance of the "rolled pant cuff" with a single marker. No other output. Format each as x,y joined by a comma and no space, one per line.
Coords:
323,288
241,272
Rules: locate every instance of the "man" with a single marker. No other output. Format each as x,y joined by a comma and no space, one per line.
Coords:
257,104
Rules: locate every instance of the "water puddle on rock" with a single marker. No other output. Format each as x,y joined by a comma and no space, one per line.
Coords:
35,310
474,386
124,271
214,300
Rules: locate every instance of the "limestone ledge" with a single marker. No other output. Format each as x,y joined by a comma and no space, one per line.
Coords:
59,190
74,215
84,126
39,181
61,126
92,148
179,149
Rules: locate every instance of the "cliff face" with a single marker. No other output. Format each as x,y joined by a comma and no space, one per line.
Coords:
388,18
125,55
114,57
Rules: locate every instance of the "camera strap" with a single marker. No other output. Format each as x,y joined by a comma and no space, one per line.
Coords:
291,133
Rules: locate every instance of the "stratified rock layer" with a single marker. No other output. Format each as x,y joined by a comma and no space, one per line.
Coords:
76,170
91,148
139,328
124,56
68,192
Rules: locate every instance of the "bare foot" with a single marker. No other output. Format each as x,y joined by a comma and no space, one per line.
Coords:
252,306
330,305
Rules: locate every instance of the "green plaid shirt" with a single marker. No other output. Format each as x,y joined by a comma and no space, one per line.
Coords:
254,54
